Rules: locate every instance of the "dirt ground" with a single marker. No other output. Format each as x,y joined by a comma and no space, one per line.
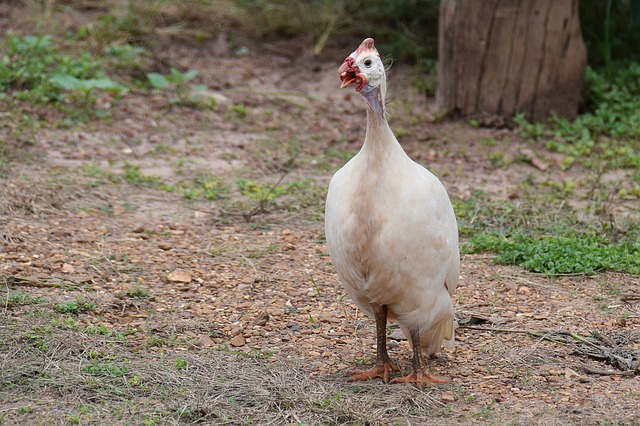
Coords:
243,321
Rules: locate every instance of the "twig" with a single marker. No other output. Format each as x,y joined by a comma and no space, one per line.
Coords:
544,335
594,370
29,281
265,199
580,338
627,297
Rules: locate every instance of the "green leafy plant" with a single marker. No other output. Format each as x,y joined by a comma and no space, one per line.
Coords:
132,175
572,253
205,186
20,298
607,135
178,84
260,192
106,369
181,364
545,236
138,292
241,110
32,69
84,89
76,306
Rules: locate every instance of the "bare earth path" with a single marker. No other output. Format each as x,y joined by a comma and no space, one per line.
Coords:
186,312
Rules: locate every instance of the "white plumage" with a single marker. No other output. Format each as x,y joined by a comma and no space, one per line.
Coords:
392,232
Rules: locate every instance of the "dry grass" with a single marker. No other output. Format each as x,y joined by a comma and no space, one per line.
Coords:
60,371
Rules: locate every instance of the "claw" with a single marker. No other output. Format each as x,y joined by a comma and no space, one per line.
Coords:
379,370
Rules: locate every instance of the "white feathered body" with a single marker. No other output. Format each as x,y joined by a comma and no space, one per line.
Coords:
393,238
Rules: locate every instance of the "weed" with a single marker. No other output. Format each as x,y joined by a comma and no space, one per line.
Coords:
362,361
76,306
256,254
138,292
488,141
178,85
65,323
205,186
497,158
103,330
96,174
156,340
315,285
131,174
259,192
33,70
106,369
83,90
570,253
546,238
327,402
313,322
486,410
181,364
20,298
241,110
606,137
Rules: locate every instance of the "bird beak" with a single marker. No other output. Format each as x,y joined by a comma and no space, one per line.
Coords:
349,74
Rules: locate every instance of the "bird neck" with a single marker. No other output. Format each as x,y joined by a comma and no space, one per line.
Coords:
375,105
379,137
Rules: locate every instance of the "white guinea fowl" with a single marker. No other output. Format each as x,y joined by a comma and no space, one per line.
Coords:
392,232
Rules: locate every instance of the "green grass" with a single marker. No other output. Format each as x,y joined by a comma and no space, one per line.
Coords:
546,236
20,298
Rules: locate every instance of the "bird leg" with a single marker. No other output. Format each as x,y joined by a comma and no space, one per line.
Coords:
383,362
418,375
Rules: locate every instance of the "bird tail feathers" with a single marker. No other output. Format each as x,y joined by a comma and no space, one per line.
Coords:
448,338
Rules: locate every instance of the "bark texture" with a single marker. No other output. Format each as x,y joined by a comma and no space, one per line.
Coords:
504,57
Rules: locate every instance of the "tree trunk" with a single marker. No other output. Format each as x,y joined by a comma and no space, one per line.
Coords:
504,57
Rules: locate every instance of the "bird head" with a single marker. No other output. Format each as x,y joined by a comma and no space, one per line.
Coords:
363,68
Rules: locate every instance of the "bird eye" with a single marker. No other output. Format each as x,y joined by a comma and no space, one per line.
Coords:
368,63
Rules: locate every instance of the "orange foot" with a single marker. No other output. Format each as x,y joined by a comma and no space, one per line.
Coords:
419,379
379,370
